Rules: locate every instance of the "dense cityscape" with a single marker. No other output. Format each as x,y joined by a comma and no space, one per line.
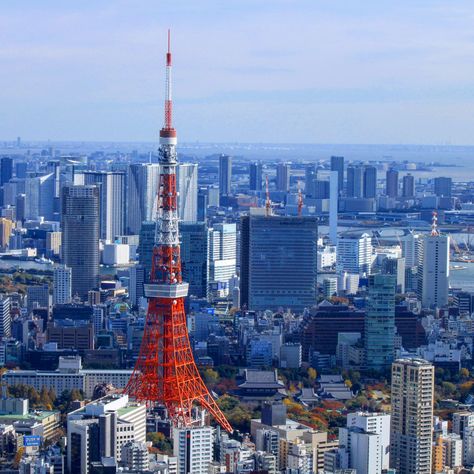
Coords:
211,308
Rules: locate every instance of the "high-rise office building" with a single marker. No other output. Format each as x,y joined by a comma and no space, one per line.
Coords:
392,183
278,262
62,285
6,170
443,187
195,257
100,429
146,243
433,270
396,267
80,236
337,164
202,204
137,278
112,193
370,181
355,181
142,183
6,227
255,176
364,444
222,252
408,186
354,253
283,177
311,179
193,446
412,416
5,317
37,296
40,197
225,175
21,168
380,322
187,181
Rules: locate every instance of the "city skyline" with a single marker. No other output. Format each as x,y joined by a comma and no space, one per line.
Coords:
318,73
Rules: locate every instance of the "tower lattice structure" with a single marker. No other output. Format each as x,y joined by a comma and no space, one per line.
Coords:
165,371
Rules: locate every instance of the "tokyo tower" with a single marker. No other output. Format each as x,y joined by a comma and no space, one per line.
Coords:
165,371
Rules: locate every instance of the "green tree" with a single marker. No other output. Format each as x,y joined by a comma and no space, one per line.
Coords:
160,442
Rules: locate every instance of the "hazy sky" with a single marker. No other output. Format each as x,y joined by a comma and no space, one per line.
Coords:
314,71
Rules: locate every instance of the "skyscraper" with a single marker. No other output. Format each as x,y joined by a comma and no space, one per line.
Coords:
370,181
278,262
337,164
80,238
111,185
62,281
6,227
195,257
392,183
40,197
187,181
355,181
283,177
354,253
433,270
222,252
6,170
146,243
311,178
255,176
193,446
408,186
225,175
380,322
142,182
443,187
5,317
412,416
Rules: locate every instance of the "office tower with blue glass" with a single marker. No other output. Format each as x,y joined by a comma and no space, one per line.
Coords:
278,262
195,257
380,322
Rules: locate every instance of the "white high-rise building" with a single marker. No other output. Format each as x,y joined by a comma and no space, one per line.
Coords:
412,416
112,204
410,247
62,284
142,188
40,197
5,317
367,453
222,252
193,447
354,253
187,181
101,428
433,270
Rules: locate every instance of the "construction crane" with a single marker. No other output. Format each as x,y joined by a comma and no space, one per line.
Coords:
300,203
268,203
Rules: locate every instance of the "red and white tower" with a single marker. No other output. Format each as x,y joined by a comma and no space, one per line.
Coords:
165,371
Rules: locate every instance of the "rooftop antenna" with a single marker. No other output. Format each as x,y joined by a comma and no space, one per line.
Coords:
434,225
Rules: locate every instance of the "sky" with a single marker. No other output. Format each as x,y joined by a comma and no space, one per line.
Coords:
260,71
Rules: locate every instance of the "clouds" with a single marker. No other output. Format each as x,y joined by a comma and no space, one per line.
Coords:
248,70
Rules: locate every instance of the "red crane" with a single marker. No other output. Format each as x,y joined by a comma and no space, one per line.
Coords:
300,202
268,203
165,371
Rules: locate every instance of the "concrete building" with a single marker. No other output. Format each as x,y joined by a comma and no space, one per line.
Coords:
6,227
53,243
135,285
337,164
112,193
195,256
255,176
62,285
379,322
101,428
5,317
187,182
80,240
433,270
225,175
391,189
278,262
37,297
443,187
134,456
412,416
408,186
222,252
69,376
354,253
283,177
142,189
193,447
291,355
